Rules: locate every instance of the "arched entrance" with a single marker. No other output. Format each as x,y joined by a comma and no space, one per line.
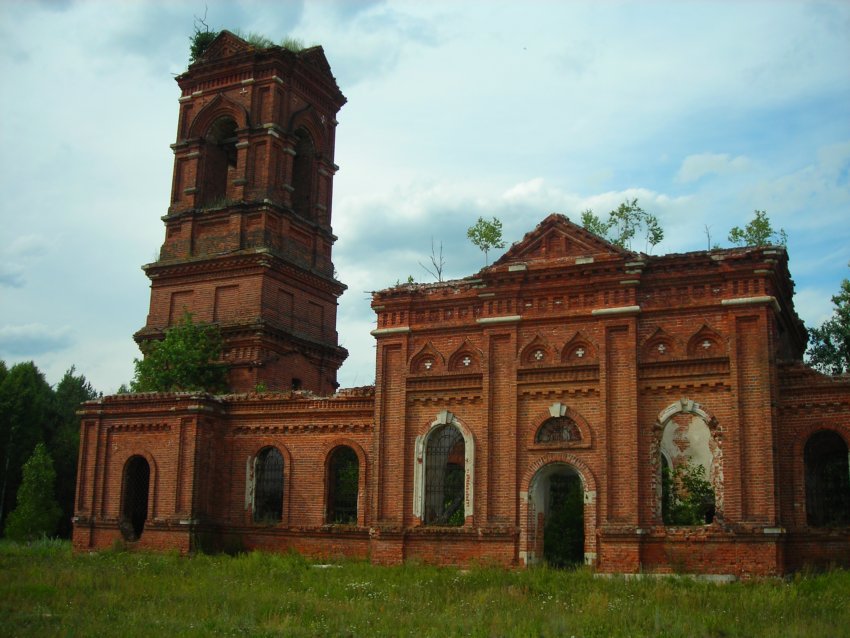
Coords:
556,513
134,501
342,485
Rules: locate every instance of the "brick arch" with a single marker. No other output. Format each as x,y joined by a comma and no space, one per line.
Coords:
716,345
153,481
687,406
528,516
285,452
363,468
466,349
582,468
561,409
425,352
672,346
527,358
420,447
798,474
220,106
307,119
578,341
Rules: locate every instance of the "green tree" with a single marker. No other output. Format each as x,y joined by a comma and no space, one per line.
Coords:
37,512
187,359
687,495
758,232
486,235
200,39
25,419
64,441
829,345
623,223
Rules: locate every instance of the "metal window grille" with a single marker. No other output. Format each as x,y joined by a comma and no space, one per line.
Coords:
134,506
444,477
558,429
342,486
268,486
827,480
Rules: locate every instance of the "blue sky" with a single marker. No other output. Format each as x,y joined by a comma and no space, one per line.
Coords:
703,111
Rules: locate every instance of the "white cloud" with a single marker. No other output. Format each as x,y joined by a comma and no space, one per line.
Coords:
695,167
455,110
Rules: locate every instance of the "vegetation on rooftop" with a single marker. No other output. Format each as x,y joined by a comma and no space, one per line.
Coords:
203,36
623,223
187,359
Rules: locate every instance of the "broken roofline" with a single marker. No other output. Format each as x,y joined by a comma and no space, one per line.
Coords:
592,246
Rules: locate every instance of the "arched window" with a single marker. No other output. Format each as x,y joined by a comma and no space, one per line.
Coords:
558,429
343,478
689,474
302,174
134,498
827,480
219,161
444,477
268,486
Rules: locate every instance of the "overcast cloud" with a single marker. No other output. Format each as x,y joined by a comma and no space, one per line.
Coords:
703,111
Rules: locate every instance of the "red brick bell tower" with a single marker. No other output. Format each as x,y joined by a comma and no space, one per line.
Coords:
248,234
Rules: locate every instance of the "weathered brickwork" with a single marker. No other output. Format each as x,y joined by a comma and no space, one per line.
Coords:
248,236
569,364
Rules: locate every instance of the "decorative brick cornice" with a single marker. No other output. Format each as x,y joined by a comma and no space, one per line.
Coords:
138,427
553,393
802,405
302,428
447,398
683,387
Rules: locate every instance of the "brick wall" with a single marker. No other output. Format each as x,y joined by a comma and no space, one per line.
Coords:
564,325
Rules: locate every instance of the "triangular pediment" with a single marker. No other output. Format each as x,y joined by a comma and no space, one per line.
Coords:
315,57
225,45
556,237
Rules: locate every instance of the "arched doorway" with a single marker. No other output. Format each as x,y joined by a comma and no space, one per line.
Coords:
556,500
343,482
134,498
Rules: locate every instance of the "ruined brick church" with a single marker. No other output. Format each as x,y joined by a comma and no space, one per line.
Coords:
534,411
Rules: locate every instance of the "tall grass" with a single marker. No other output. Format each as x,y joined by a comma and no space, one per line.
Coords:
46,590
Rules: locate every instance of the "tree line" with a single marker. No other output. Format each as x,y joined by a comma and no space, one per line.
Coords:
39,445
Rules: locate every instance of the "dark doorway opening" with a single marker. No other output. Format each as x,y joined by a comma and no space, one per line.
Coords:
344,474
563,534
134,504
827,480
268,486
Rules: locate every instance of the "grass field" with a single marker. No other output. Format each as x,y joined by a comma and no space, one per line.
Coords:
45,590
